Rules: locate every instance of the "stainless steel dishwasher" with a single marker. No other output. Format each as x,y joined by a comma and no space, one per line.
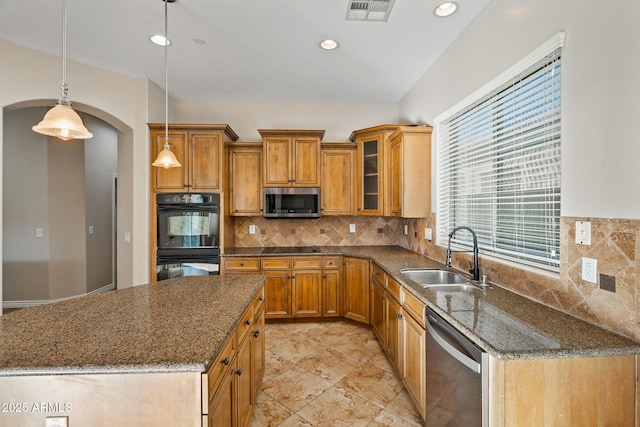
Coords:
456,378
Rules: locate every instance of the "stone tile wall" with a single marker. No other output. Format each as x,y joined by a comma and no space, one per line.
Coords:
615,244
325,231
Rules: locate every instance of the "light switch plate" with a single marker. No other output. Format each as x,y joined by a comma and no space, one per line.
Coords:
252,229
583,232
428,234
352,228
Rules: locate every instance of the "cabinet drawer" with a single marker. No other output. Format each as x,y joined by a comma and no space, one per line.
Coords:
394,288
275,263
305,262
221,363
258,301
241,265
245,323
414,306
331,262
377,274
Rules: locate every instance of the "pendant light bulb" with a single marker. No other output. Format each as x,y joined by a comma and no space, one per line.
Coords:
166,159
62,121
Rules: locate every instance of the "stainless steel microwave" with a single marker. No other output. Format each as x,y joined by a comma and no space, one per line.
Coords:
291,202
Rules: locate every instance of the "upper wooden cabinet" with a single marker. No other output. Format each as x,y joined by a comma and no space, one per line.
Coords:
373,158
410,172
200,149
291,158
245,186
338,179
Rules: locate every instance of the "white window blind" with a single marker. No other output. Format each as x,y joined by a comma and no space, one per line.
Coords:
499,168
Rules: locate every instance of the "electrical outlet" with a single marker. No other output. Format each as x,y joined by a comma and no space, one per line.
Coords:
39,232
56,422
91,229
589,270
252,229
352,228
583,232
428,234
127,237
405,229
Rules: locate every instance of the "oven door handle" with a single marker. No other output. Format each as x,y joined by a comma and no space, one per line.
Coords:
446,346
215,209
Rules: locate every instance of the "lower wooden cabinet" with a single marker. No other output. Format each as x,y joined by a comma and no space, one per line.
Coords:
395,333
356,289
278,294
378,310
413,352
234,377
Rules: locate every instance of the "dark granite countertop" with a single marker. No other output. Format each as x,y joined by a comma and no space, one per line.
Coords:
176,325
505,324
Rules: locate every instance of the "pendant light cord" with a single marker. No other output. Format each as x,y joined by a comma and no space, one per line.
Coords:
64,100
166,79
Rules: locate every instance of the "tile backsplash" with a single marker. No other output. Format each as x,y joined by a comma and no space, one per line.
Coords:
615,244
325,231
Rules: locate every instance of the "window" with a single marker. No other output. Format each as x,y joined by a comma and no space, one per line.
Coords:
499,165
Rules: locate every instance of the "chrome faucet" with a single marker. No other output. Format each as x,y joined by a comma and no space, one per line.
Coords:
475,270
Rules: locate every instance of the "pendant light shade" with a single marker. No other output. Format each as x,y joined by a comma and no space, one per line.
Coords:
166,159
62,121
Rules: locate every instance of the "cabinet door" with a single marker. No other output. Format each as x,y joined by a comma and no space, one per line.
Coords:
244,380
307,293
371,179
222,404
396,197
246,181
331,293
172,179
413,369
305,163
356,289
258,351
338,184
205,150
378,311
276,162
277,294
393,344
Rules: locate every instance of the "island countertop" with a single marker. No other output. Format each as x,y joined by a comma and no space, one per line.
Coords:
175,325
506,325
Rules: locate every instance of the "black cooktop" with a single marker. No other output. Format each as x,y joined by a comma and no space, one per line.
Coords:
290,250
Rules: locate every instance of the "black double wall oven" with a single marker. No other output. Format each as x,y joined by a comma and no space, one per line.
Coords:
188,234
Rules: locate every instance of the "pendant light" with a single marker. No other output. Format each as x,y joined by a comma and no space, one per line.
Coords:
62,121
166,159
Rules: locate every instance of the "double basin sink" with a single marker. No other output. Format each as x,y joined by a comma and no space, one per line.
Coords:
440,280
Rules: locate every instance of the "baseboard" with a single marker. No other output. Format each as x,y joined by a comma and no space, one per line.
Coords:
33,303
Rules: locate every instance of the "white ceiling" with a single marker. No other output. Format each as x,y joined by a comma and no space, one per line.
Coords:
254,49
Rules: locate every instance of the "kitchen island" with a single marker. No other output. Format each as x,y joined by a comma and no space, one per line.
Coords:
131,357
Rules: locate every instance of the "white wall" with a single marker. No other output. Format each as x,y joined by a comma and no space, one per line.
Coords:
32,78
600,90
338,119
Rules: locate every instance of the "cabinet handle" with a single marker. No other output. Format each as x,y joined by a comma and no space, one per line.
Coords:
242,264
256,334
260,299
239,372
248,322
398,316
225,361
324,277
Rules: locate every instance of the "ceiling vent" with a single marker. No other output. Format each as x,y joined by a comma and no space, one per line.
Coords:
369,10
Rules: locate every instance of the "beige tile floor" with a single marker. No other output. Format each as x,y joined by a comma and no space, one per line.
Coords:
329,374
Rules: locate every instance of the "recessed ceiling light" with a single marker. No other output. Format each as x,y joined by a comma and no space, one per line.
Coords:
329,44
160,40
447,8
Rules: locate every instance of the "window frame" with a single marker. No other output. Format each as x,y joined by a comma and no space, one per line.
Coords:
479,98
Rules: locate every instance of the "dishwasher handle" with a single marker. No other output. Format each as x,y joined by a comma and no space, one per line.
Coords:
446,346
